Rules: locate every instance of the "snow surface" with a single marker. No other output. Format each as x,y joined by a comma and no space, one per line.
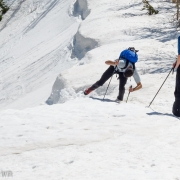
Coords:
50,52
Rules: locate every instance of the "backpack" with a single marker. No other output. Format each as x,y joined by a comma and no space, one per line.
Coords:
129,55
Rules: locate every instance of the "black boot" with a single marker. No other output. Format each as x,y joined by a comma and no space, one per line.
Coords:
121,94
176,107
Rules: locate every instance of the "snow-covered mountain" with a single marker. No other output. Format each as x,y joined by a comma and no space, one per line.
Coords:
50,52
41,40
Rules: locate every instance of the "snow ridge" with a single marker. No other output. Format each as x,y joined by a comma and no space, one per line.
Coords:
55,94
80,46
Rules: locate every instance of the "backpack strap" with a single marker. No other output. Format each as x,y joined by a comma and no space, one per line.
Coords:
126,65
133,65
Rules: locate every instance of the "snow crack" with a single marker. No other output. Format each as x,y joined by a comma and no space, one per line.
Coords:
81,45
81,9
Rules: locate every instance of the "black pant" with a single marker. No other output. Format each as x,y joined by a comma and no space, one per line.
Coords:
176,105
106,75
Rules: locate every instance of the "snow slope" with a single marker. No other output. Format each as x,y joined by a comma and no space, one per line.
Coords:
34,48
86,138
50,52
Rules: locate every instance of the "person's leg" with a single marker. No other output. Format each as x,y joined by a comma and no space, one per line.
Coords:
106,75
177,88
176,105
122,83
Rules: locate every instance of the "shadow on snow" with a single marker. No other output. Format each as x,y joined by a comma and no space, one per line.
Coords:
105,100
162,114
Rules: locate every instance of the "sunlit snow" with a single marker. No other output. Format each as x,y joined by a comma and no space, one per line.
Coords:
50,52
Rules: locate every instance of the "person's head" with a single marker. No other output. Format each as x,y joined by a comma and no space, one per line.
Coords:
128,72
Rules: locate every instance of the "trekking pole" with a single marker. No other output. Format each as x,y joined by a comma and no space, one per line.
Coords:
128,94
161,86
109,82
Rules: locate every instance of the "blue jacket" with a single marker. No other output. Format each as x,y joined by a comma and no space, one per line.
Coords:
179,45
